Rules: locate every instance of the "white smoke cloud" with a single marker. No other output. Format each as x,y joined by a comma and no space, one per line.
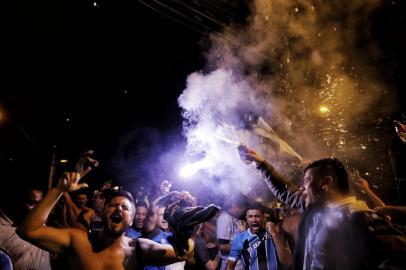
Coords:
293,58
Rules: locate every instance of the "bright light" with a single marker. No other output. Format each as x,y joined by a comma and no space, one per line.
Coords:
190,169
63,161
324,109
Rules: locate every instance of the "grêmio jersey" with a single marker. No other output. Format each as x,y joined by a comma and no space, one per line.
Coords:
257,251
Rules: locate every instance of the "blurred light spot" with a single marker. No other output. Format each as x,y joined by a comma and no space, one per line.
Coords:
190,169
324,109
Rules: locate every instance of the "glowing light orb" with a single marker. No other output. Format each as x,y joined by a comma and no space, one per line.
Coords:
324,109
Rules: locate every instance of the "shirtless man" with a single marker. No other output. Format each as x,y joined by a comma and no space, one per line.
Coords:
108,250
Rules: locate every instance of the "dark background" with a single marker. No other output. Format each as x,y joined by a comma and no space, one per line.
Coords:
80,76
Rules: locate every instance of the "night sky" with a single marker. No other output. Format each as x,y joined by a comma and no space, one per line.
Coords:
80,76
84,74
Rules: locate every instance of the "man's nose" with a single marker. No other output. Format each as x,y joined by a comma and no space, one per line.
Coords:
119,208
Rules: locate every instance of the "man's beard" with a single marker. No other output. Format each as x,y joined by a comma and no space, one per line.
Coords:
113,233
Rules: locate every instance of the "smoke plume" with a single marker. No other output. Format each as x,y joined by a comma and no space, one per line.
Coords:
306,68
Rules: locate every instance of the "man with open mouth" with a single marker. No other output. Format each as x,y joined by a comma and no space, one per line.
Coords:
109,248
257,247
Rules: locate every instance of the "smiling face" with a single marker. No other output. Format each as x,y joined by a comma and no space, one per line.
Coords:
255,220
118,216
161,222
140,217
312,189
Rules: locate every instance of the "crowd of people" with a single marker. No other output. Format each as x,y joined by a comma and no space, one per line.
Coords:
319,226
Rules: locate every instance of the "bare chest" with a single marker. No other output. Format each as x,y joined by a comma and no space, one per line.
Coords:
113,258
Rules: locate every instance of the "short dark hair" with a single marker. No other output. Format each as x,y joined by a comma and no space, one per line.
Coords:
256,206
141,203
333,167
111,193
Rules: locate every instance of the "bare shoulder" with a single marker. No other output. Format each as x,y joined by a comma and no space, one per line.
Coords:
89,210
79,237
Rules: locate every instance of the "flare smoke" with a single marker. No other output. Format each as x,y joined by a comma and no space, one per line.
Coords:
290,60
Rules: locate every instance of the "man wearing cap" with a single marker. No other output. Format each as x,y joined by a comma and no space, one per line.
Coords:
109,249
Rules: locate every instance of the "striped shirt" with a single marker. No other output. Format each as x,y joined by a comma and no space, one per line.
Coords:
257,251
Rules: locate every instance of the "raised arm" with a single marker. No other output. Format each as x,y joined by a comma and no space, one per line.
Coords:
282,189
73,209
157,254
282,248
75,217
363,186
32,228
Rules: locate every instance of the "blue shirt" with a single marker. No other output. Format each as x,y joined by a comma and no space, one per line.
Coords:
160,237
133,234
256,251
5,261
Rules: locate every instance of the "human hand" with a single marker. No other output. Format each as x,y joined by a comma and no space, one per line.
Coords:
70,182
273,229
248,155
85,165
360,183
187,198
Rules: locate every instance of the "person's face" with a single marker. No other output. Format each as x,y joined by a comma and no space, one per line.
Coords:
81,200
255,220
34,197
311,187
118,216
140,217
161,222
98,201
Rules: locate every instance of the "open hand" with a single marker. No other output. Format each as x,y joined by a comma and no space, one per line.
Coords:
70,182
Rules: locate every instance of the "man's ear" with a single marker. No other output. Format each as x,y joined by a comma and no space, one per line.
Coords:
327,182
132,220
